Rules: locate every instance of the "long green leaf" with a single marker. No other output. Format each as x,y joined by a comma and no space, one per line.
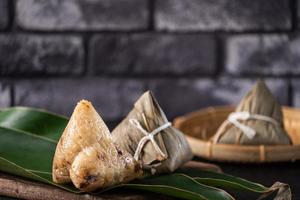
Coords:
235,184
34,121
27,143
175,184
224,180
27,152
27,155
22,158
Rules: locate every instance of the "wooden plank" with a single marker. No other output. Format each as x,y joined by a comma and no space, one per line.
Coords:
13,186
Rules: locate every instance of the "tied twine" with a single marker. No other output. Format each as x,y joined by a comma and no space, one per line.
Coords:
244,116
148,137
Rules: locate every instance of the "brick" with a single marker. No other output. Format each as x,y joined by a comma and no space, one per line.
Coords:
38,54
3,14
113,98
234,15
181,96
298,14
268,54
153,54
82,15
5,94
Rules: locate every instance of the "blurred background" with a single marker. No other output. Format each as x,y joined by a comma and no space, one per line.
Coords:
190,53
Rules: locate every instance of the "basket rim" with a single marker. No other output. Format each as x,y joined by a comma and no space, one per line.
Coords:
208,146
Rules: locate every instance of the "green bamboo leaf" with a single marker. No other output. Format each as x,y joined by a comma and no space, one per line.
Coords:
180,185
28,139
28,152
176,185
31,157
34,121
224,181
228,182
28,155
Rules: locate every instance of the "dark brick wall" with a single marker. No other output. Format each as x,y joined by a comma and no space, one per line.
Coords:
190,53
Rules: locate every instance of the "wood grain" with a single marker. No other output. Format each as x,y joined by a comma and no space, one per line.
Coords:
20,188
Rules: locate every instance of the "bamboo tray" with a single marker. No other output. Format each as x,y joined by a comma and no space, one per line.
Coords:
201,125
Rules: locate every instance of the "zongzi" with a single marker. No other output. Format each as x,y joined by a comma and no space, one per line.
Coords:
147,135
257,120
87,156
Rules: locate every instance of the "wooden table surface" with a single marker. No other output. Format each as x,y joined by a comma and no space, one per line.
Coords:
23,188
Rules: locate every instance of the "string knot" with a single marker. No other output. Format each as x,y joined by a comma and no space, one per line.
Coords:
149,136
244,116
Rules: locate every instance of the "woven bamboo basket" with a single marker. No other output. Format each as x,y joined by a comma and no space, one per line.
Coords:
201,125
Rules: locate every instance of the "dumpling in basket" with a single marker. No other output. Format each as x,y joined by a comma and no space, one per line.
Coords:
257,120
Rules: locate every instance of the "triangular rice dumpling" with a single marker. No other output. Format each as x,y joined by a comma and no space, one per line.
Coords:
257,120
87,156
147,115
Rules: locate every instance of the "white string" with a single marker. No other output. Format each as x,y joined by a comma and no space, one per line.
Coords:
244,116
148,136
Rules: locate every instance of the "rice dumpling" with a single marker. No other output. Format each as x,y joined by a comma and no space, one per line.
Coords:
147,135
87,156
258,119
